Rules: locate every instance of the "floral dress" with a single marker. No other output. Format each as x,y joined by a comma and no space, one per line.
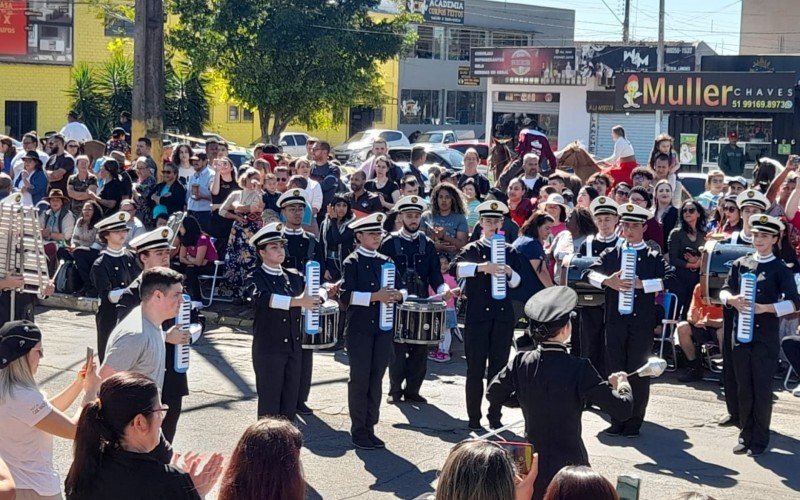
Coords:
143,210
241,258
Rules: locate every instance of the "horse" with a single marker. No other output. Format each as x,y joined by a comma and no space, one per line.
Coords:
500,155
574,156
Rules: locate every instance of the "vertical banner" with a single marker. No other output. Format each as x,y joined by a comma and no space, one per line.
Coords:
688,149
13,36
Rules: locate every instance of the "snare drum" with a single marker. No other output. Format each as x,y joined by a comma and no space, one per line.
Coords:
716,261
328,328
573,269
420,321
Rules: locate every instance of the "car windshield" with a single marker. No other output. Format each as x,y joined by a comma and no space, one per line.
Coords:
456,158
430,137
400,155
360,136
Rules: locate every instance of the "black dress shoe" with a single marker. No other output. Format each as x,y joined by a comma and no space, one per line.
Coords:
415,398
728,421
376,442
363,443
614,430
630,433
394,399
303,409
756,452
495,423
740,449
475,426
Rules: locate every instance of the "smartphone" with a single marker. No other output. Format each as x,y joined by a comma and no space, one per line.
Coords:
628,487
89,355
796,160
521,454
691,251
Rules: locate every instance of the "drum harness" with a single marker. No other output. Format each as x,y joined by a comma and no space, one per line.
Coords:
410,275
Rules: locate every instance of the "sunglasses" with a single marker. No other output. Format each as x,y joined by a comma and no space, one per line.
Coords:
689,210
623,193
281,179
730,208
72,145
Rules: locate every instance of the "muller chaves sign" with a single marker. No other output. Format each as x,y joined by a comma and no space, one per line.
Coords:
738,92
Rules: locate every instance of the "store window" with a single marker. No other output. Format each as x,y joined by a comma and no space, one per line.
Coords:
233,113
430,42
464,108
507,39
420,106
118,27
755,136
247,115
460,40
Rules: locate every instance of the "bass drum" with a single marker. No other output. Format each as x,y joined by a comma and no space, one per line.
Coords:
573,269
715,262
328,328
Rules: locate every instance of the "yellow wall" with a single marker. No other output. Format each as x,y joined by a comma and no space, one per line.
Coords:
48,85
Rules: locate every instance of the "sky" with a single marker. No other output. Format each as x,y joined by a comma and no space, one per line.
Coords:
715,22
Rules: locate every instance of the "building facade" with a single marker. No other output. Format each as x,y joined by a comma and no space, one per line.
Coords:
769,27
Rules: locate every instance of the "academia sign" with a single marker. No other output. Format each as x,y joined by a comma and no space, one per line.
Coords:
736,92
438,11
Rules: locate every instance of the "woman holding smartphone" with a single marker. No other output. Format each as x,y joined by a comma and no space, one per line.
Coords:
685,242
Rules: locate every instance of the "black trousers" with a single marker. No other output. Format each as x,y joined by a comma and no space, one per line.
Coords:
410,363
485,341
593,337
683,287
370,353
105,321
306,368
221,231
170,424
728,373
629,343
84,258
277,382
791,348
754,364
192,274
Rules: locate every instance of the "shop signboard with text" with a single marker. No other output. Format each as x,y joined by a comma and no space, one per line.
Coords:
35,31
547,65
718,92
438,11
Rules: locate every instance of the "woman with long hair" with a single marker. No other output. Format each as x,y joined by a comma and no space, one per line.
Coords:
117,433
142,191
730,217
519,205
265,465
197,254
382,185
29,420
580,224
181,159
579,482
110,194
337,239
79,183
8,151
224,184
168,196
85,246
244,207
665,212
685,243
652,228
586,195
479,469
535,270
31,180
623,160
446,220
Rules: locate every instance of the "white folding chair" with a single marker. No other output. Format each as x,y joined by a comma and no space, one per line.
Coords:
788,377
668,326
213,278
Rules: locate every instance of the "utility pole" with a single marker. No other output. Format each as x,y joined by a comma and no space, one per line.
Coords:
660,65
148,75
626,22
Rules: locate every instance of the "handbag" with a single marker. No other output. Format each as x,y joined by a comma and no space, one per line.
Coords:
66,279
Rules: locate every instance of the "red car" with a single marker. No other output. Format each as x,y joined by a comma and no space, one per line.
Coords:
481,147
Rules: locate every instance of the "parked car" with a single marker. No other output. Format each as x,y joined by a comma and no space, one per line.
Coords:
443,137
293,143
481,147
694,182
356,148
436,155
212,135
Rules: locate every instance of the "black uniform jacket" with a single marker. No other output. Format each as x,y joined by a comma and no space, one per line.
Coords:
362,273
774,283
175,384
110,272
552,387
480,304
275,330
417,255
125,475
302,247
650,265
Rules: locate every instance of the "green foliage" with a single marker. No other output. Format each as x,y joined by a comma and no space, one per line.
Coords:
87,100
292,60
187,103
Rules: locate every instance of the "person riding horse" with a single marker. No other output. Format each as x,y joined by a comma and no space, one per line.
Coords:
529,141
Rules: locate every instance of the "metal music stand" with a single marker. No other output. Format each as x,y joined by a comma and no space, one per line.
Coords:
22,247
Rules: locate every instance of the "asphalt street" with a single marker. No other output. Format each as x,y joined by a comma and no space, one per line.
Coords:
680,449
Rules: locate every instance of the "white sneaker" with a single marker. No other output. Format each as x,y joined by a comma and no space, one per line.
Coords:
796,391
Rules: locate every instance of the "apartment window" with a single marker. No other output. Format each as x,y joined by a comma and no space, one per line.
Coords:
118,27
233,113
464,108
378,115
247,115
506,39
460,40
430,42
420,106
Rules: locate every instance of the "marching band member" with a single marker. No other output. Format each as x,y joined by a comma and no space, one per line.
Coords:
750,202
553,425
489,322
111,273
301,247
153,250
592,319
754,361
278,298
629,337
369,347
417,262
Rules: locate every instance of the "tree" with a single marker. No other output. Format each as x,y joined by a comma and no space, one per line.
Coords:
292,60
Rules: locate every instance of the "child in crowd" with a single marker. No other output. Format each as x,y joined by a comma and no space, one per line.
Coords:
270,197
442,355
472,202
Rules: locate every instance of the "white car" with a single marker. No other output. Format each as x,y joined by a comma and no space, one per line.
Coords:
356,149
293,143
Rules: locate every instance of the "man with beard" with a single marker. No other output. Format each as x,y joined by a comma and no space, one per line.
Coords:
362,201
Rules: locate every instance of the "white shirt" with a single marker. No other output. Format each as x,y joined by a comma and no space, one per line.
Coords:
622,148
314,192
76,131
26,450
